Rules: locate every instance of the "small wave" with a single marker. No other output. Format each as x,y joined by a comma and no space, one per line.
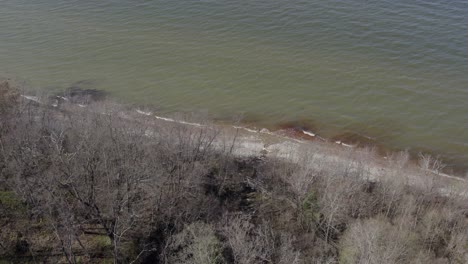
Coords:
308,133
344,144
246,129
143,112
178,121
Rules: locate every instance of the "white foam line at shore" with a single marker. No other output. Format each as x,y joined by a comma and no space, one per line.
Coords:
36,99
169,119
178,121
308,133
344,144
246,129
143,113
190,124
447,175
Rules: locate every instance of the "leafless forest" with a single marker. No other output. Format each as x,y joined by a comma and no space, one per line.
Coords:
85,187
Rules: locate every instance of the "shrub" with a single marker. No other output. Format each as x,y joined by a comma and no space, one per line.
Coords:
258,244
197,244
376,241
10,204
8,97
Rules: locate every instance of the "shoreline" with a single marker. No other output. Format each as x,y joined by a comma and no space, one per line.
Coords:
306,130
287,134
302,132
299,129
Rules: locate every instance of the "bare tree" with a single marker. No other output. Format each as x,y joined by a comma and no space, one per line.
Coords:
375,241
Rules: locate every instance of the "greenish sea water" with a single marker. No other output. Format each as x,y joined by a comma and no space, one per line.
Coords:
394,71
